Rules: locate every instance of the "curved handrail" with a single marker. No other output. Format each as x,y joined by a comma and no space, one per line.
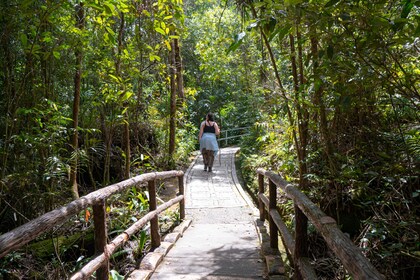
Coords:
350,255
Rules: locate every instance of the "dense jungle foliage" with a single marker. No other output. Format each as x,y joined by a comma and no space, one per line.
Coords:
96,91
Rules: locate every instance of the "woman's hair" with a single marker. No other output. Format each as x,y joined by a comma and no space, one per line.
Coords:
210,117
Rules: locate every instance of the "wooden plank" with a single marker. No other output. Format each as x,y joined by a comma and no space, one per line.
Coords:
301,240
275,265
274,236
181,192
154,222
261,192
287,237
100,230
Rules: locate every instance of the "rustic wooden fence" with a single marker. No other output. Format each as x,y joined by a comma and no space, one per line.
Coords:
20,236
351,257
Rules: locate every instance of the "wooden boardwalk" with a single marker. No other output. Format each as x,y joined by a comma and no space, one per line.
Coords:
222,242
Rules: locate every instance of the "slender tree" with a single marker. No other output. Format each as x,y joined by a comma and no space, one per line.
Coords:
173,98
80,23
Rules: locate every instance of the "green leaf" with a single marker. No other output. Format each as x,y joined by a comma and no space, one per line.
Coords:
95,6
282,31
259,4
160,30
109,8
237,42
292,2
168,45
24,40
408,5
127,95
56,54
110,31
114,275
270,26
117,79
153,57
317,83
331,3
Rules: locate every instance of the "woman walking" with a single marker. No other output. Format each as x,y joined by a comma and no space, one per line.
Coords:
208,142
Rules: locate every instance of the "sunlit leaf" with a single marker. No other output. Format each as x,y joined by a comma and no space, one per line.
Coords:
160,30
168,45
237,42
109,8
252,25
56,54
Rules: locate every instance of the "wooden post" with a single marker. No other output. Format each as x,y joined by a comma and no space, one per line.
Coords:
182,202
154,223
261,191
99,220
301,239
274,239
226,140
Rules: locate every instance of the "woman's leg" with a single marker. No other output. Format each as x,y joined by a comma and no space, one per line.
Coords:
210,159
205,158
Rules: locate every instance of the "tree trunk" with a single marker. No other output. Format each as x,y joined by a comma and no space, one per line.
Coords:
323,123
10,94
280,84
301,123
172,123
126,132
107,136
301,246
80,22
179,67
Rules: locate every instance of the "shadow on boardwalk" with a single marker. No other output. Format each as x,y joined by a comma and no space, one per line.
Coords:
222,241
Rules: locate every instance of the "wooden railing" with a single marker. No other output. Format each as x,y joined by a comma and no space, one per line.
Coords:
20,236
351,257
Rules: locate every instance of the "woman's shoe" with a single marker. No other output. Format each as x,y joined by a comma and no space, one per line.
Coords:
209,169
205,167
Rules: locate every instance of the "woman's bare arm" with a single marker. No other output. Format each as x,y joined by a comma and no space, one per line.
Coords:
217,129
201,131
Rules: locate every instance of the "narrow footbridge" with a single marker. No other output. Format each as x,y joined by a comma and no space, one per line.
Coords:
222,234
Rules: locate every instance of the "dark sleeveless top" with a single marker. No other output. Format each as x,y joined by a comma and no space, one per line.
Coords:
208,128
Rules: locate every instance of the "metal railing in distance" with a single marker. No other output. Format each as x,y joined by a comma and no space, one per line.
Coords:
227,131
